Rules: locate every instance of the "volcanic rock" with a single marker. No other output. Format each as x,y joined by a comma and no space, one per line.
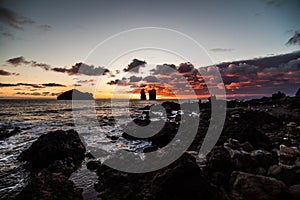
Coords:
53,146
258,187
75,95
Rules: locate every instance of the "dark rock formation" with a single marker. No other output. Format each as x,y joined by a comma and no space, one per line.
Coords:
50,186
57,145
51,160
251,186
5,132
179,181
143,95
93,165
75,95
295,191
152,94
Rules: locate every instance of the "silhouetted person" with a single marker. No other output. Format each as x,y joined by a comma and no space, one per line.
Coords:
152,94
143,95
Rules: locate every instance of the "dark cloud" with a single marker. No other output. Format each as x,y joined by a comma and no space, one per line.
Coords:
22,61
31,85
6,73
165,69
18,61
275,2
271,61
221,50
32,94
7,84
45,27
119,82
134,66
17,21
150,79
185,67
13,19
53,85
230,79
86,81
82,69
133,79
77,69
113,82
295,39
7,34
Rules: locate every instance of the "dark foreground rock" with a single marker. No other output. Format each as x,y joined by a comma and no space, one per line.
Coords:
179,181
258,187
47,185
57,145
51,160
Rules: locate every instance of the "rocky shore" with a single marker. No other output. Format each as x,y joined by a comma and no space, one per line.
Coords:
51,160
256,157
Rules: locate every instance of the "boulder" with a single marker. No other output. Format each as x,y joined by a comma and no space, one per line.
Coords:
248,133
52,159
5,132
258,187
93,165
218,160
295,191
50,186
57,145
288,156
181,180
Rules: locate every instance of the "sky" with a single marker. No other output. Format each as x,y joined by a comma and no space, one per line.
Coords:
115,48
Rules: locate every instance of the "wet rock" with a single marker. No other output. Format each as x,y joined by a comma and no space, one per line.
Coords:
247,133
93,165
295,191
264,158
288,176
291,126
246,146
244,162
274,170
50,186
181,180
5,132
65,166
51,160
170,106
288,156
218,160
53,146
258,187
160,139
89,155
150,149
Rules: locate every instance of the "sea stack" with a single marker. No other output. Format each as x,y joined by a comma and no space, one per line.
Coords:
75,95
152,94
143,95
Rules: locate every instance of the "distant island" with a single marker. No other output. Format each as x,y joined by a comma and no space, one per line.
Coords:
75,95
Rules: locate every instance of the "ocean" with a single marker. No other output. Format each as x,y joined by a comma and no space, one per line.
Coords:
32,118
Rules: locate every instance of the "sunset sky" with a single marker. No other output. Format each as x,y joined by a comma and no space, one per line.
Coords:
47,47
